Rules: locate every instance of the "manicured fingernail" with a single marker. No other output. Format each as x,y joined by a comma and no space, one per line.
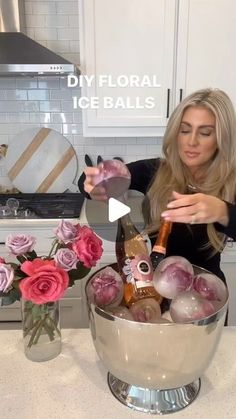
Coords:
164,214
170,205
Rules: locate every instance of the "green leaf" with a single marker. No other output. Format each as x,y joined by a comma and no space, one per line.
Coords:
21,258
9,298
80,272
31,255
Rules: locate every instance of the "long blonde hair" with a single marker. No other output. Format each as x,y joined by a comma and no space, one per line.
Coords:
220,175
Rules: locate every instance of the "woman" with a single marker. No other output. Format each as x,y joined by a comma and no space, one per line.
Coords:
195,184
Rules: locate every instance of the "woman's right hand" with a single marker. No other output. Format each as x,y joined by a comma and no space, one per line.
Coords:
96,192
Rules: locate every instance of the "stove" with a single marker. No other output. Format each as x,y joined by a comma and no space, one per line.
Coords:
41,205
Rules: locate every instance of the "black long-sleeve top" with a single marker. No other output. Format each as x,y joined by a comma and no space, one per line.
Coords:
184,240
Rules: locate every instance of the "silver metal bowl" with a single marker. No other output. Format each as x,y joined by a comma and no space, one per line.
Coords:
155,368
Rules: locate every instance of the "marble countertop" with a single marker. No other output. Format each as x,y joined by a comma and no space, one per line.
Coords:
74,385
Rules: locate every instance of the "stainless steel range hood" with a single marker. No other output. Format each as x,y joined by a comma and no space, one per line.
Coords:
19,54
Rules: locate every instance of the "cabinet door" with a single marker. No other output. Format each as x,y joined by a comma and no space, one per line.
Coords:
206,46
119,39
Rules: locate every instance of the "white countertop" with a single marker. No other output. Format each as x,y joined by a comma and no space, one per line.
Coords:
74,385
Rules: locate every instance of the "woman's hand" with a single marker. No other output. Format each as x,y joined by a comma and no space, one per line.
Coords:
96,192
196,208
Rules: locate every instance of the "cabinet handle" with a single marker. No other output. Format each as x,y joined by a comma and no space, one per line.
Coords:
2,242
180,94
168,103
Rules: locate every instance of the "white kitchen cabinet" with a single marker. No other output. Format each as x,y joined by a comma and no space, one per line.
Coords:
228,266
206,54
186,44
125,38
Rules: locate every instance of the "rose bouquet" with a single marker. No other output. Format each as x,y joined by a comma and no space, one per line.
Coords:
40,281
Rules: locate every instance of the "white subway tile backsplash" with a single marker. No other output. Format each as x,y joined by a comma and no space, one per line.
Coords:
35,118
72,129
61,94
67,106
56,21
63,117
3,118
15,94
26,83
45,34
139,150
43,7
80,139
52,106
154,150
35,21
128,140
67,7
10,128
51,82
117,150
7,83
3,139
19,106
59,46
80,150
28,7
18,117
74,46
38,94
94,150
67,33
73,21
77,117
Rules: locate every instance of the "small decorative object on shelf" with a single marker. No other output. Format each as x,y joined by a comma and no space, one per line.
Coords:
41,281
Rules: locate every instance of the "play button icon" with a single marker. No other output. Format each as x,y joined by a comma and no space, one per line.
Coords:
116,209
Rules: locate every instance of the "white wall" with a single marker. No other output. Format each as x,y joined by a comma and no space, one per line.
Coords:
27,102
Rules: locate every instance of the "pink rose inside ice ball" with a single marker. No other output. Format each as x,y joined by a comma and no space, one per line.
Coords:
114,176
210,287
172,276
146,310
189,306
121,312
105,288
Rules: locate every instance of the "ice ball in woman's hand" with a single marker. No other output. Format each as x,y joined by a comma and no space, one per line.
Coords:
146,310
105,288
210,287
122,312
114,176
189,306
172,276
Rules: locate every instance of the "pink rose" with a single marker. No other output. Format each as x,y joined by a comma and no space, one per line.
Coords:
6,277
45,283
66,231
19,244
2,260
87,247
66,259
105,288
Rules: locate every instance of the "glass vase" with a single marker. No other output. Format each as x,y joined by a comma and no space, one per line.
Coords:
41,330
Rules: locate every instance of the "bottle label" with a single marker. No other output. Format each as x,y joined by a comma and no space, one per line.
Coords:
138,270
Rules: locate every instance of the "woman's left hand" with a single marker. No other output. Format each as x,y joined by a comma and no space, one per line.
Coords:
196,208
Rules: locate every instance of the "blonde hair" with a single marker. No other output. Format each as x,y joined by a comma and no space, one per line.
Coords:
172,174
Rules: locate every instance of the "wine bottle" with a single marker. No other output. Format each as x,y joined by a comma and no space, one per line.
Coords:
134,263
159,249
